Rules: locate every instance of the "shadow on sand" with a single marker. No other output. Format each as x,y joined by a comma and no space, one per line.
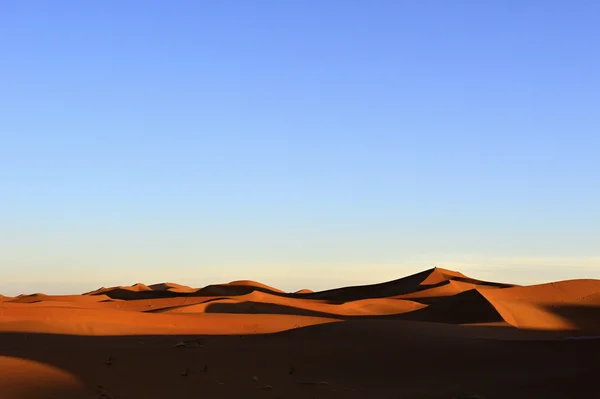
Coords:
352,359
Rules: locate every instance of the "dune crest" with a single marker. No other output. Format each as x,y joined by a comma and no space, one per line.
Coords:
250,283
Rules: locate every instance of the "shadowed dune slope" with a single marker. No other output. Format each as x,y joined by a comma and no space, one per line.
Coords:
136,291
438,292
464,308
172,290
171,287
408,285
126,294
356,359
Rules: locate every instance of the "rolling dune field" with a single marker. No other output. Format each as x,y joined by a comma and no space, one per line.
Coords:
434,334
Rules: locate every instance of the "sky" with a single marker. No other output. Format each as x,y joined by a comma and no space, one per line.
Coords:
299,143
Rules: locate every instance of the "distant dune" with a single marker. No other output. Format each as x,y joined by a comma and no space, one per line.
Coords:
304,291
171,287
438,332
254,284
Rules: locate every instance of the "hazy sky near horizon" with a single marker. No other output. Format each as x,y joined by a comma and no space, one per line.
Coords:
300,143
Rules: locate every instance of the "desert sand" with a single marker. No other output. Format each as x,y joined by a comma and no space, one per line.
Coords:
434,334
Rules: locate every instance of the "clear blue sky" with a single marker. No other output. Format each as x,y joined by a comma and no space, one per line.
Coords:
301,143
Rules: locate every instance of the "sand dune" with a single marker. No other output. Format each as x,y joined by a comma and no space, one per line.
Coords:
566,305
22,378
250,283
408,285
261,303
5,298
434,295
76,321
465,308
439,291
304,291
137,291
350,342
37,298
171,287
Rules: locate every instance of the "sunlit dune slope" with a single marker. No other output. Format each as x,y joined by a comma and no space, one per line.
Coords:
564,305
21,378
76,321
37,298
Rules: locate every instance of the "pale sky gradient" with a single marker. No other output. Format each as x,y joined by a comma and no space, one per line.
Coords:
299,143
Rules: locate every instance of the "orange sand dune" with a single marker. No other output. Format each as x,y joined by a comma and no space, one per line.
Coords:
561,291
304,291
36,298
467,307
20,378
564,305
5,298
159,304
171,287
75,321
136,291
438,332
435,295
441,290
262,303
561,306
411,287
591,299
237,289
407,285
170,290
138,287
250,283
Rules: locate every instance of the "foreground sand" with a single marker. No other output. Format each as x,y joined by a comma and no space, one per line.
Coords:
435,334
